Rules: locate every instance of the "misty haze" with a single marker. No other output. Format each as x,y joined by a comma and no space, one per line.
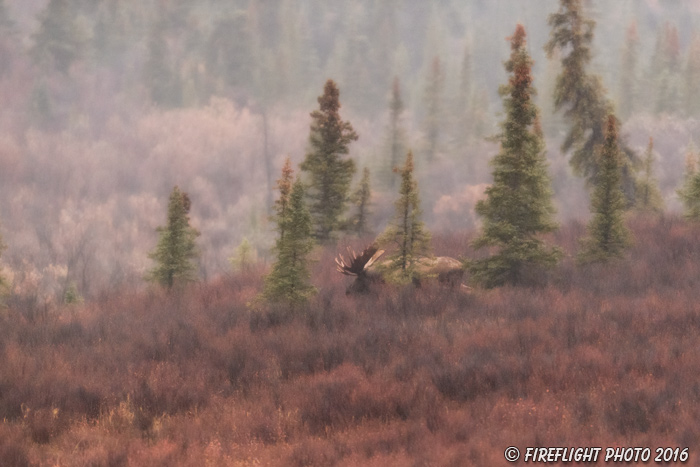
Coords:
509,188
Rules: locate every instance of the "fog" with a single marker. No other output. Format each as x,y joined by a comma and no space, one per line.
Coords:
108,104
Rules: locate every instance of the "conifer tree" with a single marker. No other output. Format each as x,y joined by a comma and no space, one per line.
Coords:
689,192
396,138
628,69
406,232
245,256
361,200
288,281
329,174
176,247
281,207
433,108
162,80
581,95
518,205
665,70
463,108
59,42
648,196
608,236
692,79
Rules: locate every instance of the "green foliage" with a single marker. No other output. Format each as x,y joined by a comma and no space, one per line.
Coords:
690,190
608,236
627,97
518,205
692,79
229,50
176,247
433,108
246,255
406,232
60,41
162,78
72,296
329,174
281,206
397,137
581,95
664,80
361,201
648,196
289,279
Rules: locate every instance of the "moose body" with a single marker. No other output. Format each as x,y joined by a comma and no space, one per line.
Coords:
446,270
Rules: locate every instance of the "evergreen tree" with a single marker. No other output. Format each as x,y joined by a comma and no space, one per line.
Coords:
281,207
230,51
665,70
329,174
406,232
361,200
608,236
162,79
59,41
463,108
397,136
289,279
176,247
692,79
689,192
628,69
245,256
581,95
648,197
72,296
518,205
433,108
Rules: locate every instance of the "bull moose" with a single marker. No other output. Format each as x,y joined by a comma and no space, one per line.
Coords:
447,270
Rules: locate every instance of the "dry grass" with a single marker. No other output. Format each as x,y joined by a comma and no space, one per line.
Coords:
601,355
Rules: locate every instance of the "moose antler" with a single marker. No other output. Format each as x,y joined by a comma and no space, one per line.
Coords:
356,265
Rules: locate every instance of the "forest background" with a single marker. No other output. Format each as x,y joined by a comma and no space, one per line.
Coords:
108,104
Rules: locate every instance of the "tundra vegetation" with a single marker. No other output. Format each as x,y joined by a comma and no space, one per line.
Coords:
265,360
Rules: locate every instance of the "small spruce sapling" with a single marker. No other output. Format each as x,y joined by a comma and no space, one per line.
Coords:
608,237
176,250
406,232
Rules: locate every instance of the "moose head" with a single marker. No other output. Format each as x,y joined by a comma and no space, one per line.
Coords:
445,269
358,266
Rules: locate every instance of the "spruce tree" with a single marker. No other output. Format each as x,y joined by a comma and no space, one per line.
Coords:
433,108
59,42
281,206
581,95
161,76
329,173
361,200
176,247
628,69
406,233
288,282
608,236
648,198
665,70
692,79
397,136
689,192
518,205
